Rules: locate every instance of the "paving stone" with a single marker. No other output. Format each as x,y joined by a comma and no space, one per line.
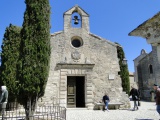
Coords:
147,111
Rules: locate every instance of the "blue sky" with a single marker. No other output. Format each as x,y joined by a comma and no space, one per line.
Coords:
109,19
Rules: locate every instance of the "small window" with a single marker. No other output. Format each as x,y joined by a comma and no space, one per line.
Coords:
150,69
119,73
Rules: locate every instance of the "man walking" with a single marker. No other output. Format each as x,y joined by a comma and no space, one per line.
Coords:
157,97
135,97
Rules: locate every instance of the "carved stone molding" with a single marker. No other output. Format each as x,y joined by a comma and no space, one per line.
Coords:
75,56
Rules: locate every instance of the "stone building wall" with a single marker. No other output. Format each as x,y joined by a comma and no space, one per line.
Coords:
156,65
146,78
132,80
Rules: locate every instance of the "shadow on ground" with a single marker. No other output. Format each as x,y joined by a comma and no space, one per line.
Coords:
143,119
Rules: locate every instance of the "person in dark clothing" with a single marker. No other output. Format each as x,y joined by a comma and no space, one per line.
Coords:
106,101
135,97
157,98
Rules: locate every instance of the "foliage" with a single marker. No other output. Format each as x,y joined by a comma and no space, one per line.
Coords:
123,70
35,52
9,59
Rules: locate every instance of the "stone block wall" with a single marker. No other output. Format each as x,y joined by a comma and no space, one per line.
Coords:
99,52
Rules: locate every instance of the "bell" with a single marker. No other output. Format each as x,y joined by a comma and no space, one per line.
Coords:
76,20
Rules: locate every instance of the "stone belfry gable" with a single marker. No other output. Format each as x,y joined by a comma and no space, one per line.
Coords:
78,9
68,18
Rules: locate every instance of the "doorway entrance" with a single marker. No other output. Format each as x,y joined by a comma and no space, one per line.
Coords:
75,91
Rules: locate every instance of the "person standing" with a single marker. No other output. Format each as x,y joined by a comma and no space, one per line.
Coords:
135,97
106,101
3,99
4,95
157,97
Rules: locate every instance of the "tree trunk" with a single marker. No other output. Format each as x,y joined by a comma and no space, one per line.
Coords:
30,108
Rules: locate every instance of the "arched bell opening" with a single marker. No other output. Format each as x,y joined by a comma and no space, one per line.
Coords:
76,21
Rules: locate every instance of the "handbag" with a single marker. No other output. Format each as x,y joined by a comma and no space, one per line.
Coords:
139,104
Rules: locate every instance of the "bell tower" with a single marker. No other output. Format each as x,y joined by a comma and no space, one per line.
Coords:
74,17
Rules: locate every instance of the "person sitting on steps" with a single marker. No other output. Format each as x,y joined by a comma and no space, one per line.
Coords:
106,101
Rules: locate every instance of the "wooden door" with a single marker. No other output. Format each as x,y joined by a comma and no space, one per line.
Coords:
71,91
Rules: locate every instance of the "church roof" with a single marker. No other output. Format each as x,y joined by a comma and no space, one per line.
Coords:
108,41
143,29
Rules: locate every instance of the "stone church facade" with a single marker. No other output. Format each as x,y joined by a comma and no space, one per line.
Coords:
147,65
83,66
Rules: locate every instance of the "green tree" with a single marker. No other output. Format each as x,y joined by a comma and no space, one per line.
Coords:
123,70
35,53
9,60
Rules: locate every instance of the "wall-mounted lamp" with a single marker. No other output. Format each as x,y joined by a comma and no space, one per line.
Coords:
124,61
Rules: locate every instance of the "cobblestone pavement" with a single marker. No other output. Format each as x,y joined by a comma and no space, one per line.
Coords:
147,111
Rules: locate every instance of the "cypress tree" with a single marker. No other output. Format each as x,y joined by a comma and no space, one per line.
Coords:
9,60
124,74
35,53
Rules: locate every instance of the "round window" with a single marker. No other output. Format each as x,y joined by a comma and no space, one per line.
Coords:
76,42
